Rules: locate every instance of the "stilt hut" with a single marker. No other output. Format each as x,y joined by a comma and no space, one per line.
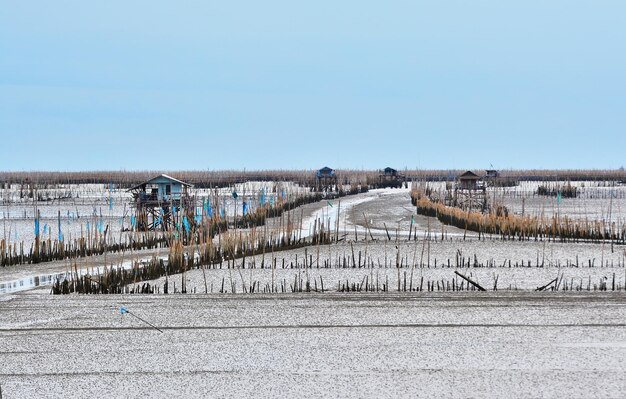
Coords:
325,178
389,177
470,192
156,201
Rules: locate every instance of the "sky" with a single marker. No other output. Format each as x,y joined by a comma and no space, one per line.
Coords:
183,85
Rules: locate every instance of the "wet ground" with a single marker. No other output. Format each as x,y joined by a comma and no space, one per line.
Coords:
508,343
350,345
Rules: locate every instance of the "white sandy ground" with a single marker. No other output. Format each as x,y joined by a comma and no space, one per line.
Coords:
459,345
456,344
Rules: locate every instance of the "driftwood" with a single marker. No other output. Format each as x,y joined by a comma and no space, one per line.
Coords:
470,281
543,287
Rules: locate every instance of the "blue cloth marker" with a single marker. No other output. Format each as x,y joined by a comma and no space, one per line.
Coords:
123,310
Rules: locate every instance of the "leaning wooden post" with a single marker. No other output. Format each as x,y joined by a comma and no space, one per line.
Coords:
470,281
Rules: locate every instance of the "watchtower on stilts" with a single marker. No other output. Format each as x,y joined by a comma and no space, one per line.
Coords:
470,193
157,199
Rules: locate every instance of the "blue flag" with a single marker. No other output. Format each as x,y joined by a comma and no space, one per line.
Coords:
110,196
245,206
186,224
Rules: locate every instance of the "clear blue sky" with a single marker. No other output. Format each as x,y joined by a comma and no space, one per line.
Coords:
286,84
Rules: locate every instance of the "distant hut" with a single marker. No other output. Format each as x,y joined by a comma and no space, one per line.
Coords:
157,198
491,174
494,178
325,178
389,177
470,193
468,181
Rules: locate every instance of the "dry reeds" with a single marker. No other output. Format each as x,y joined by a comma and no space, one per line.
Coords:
508,226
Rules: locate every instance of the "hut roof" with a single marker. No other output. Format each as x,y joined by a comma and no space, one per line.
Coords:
160,178
326,169
389,169
469,175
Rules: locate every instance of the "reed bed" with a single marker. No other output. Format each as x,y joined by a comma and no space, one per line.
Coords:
557,190
224,178
232,245
460,278
98,242
507,226
239,251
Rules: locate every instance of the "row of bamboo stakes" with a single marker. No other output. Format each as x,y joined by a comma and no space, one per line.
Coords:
233,248
95,242
508,226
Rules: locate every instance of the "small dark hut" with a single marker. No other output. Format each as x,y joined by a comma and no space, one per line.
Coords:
492,174
155,198
325,178
469,181
389,177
